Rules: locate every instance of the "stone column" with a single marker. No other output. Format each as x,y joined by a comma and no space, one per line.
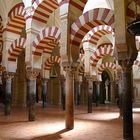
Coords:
113,92
120,93
97,92
69,99
89,93
44,92
77,88
127,89
8,92
31,76
63,91
78,93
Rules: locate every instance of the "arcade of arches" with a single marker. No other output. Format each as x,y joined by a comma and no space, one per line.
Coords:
69,53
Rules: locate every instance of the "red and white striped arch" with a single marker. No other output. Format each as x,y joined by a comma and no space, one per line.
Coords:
89,20
1,42
102,51
43,9
16,21
99,32
46,41
107,65
16,48
50,62
77,4
137,63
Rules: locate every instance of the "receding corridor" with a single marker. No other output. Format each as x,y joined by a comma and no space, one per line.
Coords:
103,124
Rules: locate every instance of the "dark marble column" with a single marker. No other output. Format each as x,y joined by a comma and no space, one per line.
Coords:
77,88
63,91
97,92
8,92
127,89
112,91
120,94
89,93
31,76
44,92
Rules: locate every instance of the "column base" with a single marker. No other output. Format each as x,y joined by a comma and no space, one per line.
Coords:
107,102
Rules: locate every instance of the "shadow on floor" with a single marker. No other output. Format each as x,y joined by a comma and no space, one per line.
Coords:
55,136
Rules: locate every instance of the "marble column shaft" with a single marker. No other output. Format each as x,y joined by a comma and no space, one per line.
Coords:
31,97
90,94
127,91
97,92
8,92
44,92
63,91
69,100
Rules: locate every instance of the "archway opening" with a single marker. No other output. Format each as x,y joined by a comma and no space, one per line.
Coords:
105,96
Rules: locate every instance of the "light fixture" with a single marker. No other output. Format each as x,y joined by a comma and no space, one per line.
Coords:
134,27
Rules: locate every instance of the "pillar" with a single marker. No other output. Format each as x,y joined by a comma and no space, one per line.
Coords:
113,92
44,92
120,93
62,91
97,92
69,98
127,89
77,88
8,92
31,76
89,93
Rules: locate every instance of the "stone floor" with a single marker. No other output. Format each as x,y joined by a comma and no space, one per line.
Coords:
103,124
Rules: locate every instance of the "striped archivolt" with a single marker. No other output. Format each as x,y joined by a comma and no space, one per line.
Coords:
16,48
43,9
104,66
102,51
77,4
46,41
1,42
89,20
99,32
51,61
16,21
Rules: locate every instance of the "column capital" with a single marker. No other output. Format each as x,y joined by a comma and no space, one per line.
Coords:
8,75
89,77
2,68
31,74
126,64
70,67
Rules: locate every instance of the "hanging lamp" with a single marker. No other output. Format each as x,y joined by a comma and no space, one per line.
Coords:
134,27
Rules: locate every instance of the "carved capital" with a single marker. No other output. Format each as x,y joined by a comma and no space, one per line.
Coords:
126,64
31,74
2,68
8,75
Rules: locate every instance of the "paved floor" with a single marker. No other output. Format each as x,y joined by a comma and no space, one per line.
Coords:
103,124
